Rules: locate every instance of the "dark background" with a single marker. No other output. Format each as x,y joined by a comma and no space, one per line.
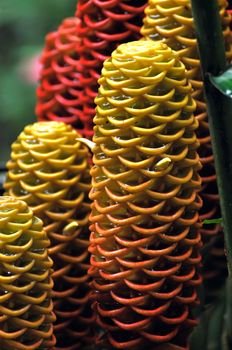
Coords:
23,26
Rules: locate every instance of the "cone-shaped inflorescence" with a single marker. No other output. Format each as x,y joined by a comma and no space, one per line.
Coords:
60,94
26,315
73,58
145,236
104,24
49,170
172,22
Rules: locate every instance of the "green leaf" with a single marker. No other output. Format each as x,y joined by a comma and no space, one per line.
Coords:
208,335
223,82
216,325
198,339
212,221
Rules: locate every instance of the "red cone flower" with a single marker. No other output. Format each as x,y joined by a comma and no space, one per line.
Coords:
103,25
60,94
73,58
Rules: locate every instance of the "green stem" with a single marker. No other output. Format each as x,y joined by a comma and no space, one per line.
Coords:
209,35
213,60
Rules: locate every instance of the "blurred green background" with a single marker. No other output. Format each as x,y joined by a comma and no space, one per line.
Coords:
23,26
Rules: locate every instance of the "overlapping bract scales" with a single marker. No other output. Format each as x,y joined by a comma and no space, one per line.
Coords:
49,170
104,24
171,21
145,236
73,58
26,315
60,95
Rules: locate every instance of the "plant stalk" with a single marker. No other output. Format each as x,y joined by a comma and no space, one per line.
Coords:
213,61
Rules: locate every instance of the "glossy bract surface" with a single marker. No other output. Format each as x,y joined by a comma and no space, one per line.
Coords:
73,58
171,21
104,24
26,315
49,170
145,236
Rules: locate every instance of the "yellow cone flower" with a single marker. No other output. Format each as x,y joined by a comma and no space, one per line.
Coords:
172,22
145,234
49,170
25,280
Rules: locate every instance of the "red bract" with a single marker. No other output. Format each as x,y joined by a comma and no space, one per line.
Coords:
60,94
73,58
103,26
